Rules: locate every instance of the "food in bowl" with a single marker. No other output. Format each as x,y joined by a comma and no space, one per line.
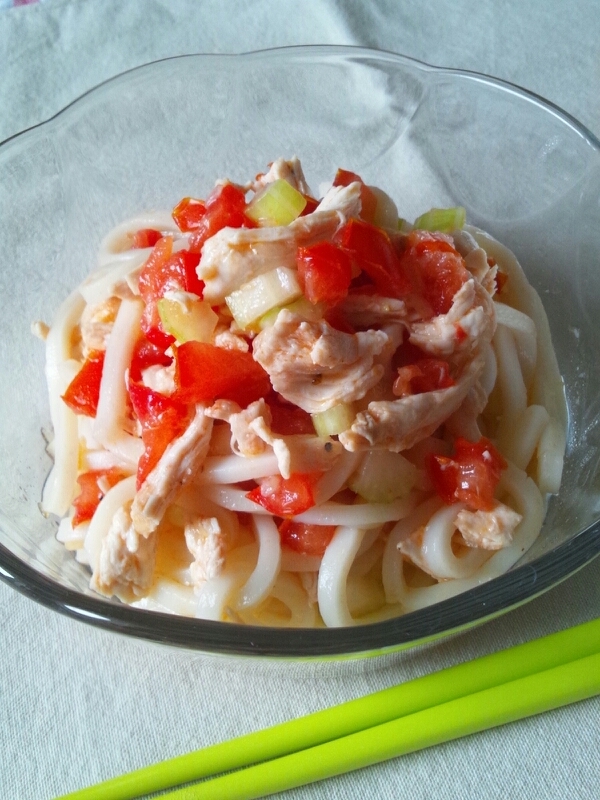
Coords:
278,410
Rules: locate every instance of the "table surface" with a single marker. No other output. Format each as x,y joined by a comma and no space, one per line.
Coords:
78,705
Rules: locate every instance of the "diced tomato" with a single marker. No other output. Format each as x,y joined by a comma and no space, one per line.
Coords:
162,418
373,252
324,272
425,375
204,372
146,354
145,237
368,199
311,205
83,392
166,271
288,419
225,207
469,476
334,317
90,494
435,266
310,540
285,497
189,213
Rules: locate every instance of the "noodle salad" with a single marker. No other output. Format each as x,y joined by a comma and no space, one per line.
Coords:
280,410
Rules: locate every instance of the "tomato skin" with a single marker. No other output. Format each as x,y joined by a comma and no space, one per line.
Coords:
310,540
145,237
373,252
188,214
311,205
90,494
425,375
225,207
83,392
368,199
162,418
285,497
204,372
436,267
469,476
324,272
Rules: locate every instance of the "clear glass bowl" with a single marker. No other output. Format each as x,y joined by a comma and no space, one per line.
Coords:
525,171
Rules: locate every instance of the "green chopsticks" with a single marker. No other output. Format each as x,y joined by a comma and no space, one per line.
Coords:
512,684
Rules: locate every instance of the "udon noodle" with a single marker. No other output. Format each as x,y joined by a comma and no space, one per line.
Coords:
280,411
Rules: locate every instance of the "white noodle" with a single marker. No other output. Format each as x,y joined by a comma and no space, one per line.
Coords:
261,581
436,551
112,404
333,574
235,469
60,484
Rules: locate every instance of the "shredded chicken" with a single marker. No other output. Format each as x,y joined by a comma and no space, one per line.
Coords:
290,171
400,424
316,366
371,311
207,542
244,438
489,530
127,558
176,467
96,324
233,256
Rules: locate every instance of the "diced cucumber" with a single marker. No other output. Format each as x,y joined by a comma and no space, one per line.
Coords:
334,420
186,317
277,204
254,299
442,219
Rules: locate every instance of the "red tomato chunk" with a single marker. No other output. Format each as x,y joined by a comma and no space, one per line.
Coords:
324,272
469,476
374,253
90,494
225,208
368,198
162,418
310,540
83,392
204,372
436,268
285,497
145,237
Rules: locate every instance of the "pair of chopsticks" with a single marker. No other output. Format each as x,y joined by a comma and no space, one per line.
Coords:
503,687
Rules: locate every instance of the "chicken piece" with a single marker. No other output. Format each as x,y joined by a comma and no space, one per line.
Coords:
126,562
412,549
234,256
207,542
228,340
96,324
372,311
244,438
290,171
463,422
182,459
470,323
400,424
476,260
316,366
489,530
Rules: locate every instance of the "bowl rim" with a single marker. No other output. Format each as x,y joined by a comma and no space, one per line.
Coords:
308,50
509,590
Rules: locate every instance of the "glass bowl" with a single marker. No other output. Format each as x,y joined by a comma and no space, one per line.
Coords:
524,170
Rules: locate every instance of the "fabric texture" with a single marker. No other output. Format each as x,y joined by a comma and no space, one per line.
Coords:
79,705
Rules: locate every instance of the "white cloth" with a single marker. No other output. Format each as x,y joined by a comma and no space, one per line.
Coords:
79,705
